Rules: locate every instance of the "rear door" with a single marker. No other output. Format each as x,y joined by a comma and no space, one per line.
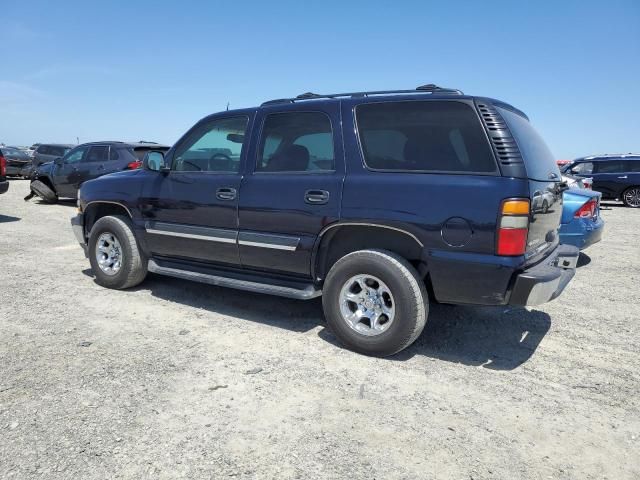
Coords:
544,179
93,165
292,187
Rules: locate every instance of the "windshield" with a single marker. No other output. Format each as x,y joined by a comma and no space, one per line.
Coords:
538,159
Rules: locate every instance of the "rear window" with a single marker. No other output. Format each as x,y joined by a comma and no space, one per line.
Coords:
425,136
538,159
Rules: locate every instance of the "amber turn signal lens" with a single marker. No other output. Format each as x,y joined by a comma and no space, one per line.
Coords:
515,207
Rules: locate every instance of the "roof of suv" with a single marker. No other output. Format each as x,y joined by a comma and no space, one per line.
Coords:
610,156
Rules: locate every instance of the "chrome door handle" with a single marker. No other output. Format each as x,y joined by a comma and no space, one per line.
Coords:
623,176
226,193
316,197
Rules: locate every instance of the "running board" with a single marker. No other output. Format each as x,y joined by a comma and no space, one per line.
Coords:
301,294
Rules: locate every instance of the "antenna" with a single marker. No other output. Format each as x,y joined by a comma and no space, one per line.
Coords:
227,106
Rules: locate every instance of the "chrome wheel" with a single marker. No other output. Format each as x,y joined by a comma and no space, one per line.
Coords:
632,197
367,305
109,253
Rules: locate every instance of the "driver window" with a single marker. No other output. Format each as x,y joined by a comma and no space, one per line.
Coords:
76,155
213,147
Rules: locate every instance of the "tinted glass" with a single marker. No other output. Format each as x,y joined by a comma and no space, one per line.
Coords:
539,161
634,165
611,166
214,146
429,136
113,154
296,142
58,151
43,150
97,154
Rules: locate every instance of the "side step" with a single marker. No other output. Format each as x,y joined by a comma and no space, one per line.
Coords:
307,293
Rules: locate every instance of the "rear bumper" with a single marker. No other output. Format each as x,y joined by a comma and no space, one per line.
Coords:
77,224
582,233
545,281
4,186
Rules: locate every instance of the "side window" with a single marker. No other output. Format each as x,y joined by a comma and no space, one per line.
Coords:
214,146
611,166
436,136
296,142
113,154
76,155
584,168
44,150
634,165
97,154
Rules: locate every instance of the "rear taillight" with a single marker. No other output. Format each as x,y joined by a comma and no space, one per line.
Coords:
3,166
588,210
513,227
134,165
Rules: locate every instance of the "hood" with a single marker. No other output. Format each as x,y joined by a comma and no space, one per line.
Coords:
45,167
573,199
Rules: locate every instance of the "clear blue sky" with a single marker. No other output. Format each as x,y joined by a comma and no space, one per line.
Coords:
149,69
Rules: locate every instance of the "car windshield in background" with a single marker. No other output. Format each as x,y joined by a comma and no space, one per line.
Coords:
427,136
539,161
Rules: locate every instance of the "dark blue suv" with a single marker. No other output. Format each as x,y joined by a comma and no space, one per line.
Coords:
615,176
377,201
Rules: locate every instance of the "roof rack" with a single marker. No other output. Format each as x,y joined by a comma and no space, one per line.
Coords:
429,88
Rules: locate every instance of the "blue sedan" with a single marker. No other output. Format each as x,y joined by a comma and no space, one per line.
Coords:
581,223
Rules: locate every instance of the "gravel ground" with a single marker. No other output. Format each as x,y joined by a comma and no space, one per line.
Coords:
181,380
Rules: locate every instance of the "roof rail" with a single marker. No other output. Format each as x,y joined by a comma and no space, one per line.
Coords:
429,88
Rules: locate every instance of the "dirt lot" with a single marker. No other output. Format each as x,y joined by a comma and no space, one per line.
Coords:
180,380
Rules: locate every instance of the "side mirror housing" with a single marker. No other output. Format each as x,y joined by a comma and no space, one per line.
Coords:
154,161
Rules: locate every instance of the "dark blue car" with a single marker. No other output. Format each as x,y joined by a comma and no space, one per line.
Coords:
378,201
581,223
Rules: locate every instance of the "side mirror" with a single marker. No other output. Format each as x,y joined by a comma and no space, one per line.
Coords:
58,161
154,161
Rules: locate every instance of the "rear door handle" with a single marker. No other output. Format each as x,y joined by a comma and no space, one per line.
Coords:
226,193
623,176
316,197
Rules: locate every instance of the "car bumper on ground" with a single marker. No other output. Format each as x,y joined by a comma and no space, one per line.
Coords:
4,186
582,232
77,224
546,280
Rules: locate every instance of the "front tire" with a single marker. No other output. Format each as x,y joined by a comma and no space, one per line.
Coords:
43,191
375,302
631,197
116,259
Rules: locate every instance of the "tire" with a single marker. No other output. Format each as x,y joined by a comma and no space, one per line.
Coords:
631,197
132,266
408,298
545,206
43,191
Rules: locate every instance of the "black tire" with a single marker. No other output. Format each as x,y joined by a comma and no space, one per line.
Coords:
133,267
625,200
43,190
410,299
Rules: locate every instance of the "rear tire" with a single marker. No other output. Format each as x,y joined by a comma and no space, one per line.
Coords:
43,191
375,302
115,257
631,197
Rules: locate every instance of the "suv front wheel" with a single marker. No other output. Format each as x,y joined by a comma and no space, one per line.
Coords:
116,259
375,302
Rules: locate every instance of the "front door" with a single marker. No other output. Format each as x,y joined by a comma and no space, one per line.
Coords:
66,175
190,212
292,187
610,177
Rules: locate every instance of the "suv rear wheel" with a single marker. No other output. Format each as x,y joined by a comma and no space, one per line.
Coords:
631,197
115,257
375,302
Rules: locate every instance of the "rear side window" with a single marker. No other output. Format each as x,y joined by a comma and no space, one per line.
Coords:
538,159
634,165
611,166
296,142
98,154
425,136
43,149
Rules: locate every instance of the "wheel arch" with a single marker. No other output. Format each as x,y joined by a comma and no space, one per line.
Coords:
340,239
95,210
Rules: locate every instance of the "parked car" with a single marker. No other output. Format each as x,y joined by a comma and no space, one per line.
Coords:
617,177
581,223
15,161
47,152
32,149
372,199
577,182
63,177
4,183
